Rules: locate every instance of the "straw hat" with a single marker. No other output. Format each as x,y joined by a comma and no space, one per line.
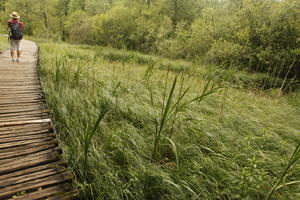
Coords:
15,15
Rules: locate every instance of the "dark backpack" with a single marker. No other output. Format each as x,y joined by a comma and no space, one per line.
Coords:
15,31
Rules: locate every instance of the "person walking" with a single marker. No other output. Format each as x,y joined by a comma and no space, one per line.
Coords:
15,35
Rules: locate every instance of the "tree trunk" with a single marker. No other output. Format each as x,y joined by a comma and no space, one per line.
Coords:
45,20
175,13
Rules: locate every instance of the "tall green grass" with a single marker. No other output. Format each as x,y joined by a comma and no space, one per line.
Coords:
90,132
199,155
292,161
232,74
3,43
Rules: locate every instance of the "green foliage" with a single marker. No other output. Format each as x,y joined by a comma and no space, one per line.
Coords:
3,43
227,53
78,27
259,36
75,5
115,27
95,7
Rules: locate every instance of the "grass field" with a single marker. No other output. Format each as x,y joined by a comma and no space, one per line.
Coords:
132,129
3,43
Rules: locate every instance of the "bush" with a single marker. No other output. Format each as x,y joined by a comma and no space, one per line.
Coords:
115,27
151,29
79,28
227,53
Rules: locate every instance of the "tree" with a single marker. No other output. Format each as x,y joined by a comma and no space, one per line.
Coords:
115,27
2,5
181,10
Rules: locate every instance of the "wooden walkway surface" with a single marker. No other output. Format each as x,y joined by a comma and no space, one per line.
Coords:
30,165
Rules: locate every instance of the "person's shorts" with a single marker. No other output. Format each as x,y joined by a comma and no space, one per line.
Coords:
15,45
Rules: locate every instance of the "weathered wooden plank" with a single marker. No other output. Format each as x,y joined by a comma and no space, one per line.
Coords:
23,118
36,154
20,94
15,154
24,133
27,162
29,133
12,74
25,122
26,137
16,109
24,95
32,176
20,88
9,117
15,90
18,69
23,128
11,107
43,193
14,98
8,79
22,105
20,102
24,147
20,143
33,169
35,184
19,75
24,113
18,83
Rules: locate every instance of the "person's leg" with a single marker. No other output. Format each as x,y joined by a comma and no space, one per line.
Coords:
12,53
18,55
19,51
12,49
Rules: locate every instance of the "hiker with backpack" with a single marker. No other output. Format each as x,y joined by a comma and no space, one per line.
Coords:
15,35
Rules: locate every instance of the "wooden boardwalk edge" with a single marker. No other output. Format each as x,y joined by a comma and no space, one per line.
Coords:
30,157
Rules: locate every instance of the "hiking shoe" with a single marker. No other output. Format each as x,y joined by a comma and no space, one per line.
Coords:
13,60
18,60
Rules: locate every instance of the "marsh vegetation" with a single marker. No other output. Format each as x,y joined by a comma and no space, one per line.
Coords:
131,129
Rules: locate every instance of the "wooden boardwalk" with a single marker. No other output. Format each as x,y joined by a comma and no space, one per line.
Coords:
30,165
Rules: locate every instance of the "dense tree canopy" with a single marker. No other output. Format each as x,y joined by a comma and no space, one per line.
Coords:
250,34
